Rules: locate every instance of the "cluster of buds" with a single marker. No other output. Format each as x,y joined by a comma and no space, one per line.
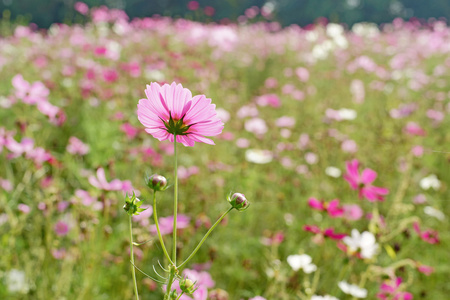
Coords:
132,205
238,201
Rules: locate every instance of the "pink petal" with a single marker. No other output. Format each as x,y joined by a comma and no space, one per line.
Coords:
368,176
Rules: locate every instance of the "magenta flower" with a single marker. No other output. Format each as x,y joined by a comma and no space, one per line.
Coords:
61,228
363,182
391,291
171,110
428,235
331,207
424,269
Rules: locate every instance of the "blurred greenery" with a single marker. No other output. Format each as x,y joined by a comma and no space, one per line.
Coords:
302,12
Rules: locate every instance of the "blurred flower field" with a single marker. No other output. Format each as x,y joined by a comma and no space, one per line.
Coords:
338,137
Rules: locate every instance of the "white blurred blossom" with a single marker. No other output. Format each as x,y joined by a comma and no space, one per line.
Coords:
303,261
364,241
430,181
352,289
258,156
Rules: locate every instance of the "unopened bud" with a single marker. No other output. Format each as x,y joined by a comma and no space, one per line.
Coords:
187,286
238,201
158,183
132,205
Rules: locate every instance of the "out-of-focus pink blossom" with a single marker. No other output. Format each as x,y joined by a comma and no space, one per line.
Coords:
247,111
18,149
285,121
435,115
59,253
193,5
144,217
427,270
363,182
76,146
391,290
413,128
428,235
6,185
274,239
23,208
331,207
100,182
29,93
61,228
417,151
81,7
209,11
271,83
257,126
184,173
129,130
110,75
352,212
268,100
302,74
166,224
203,282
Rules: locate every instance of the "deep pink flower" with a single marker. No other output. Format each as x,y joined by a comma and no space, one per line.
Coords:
363,182
171,109
390,290
327,232
331,207
428,235
129,130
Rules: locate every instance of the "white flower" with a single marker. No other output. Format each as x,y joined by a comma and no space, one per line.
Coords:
430,182
365,242
433,212
333,172
16,281
258,156
326,297
347,114
352,289
303,261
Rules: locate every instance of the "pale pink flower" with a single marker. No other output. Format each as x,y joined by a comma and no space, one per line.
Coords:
17,149
130,131
417,151
427,270
85,197
285,121
171,109
166,224
363,182
257,298
271,83
29,93
349,146
268,100
203,282
352,212
81,7
256,125
184,173
100,182
76,146
38,155
59,253
6,185
302,74
242,143
144,217
23,208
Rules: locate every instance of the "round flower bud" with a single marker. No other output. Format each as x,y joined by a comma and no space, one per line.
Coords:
187,286
238,201
157,183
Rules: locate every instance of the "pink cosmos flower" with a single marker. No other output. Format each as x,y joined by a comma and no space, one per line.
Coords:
352,212
6,185
203,282
413,128
268,100
23,208
166,224
429,236
100,182
171,109
61,228
30,93
427,270
328,232
129,130
363,182
81,7
331,207
391,290
76,146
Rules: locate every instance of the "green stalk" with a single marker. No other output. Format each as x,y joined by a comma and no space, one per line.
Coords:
132,259
161,241
204,238
175,203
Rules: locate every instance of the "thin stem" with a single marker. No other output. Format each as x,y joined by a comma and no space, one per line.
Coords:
161,241
180,295
175,203
132,259
169,283
204,238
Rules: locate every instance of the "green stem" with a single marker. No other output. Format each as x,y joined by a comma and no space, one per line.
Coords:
175,203
204,238
132,260
161,241
180,295
169,283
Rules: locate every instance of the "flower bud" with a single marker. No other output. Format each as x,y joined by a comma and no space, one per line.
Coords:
132,205
238,201
156,182
187,286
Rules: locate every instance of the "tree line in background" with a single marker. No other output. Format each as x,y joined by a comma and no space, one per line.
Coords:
302,12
